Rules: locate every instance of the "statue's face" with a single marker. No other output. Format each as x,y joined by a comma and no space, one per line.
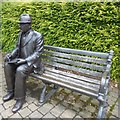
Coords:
24,27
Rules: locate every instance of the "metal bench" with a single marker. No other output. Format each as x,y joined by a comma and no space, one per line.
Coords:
82,71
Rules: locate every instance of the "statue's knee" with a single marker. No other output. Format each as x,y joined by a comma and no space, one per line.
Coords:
6,64
7,67
20,69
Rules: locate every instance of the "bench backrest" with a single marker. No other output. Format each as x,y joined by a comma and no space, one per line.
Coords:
89,63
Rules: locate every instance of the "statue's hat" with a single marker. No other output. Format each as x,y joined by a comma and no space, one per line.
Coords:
25,18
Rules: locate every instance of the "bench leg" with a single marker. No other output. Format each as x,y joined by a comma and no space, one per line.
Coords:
44,97
102,109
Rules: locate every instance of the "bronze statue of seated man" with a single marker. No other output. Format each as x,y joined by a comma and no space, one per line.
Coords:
23,60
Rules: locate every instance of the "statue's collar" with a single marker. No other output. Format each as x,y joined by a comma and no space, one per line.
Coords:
27,38
26,33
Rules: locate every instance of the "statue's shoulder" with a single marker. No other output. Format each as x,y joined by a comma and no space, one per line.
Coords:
19,33
37,34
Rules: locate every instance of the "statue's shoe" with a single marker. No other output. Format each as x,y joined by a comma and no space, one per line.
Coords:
8,96
18,105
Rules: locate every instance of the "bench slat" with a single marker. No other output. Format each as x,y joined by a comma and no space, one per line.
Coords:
87,86
65,85
82,52
78,77
80,70
76,57
76,63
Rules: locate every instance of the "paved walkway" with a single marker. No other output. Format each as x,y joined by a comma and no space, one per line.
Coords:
64,104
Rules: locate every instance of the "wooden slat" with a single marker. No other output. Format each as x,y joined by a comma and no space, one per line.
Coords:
75,63
43,78
76,57
90,87
82,52
81,70
78,77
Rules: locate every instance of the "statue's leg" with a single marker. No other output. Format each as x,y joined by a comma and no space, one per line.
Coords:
22,73
9,71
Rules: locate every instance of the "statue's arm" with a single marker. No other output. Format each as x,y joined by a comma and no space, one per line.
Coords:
39,45
12,55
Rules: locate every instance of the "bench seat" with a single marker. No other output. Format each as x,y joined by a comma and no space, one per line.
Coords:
69,80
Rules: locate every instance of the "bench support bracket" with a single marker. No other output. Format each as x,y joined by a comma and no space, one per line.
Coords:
103,105
44,97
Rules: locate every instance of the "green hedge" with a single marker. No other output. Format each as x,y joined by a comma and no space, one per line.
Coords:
79,25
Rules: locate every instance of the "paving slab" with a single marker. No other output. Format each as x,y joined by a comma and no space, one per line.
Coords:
85,114
68,114
6,113
0,117
29,99
25,112
60,97
58,110
67,91
35,115
9,103
116,111
84,98
95,102
49,115
54,102
32,107
27,118
112,98
90,108
1,108
45,108
16,115
78,118
79,104
65,103
111,102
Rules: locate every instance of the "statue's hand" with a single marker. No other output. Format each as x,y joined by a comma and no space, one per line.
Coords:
8,57
20,61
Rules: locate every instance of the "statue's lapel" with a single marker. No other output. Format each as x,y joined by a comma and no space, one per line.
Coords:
19,38
27,38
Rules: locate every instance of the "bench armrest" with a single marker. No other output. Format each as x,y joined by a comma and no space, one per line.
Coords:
104,85
105,79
